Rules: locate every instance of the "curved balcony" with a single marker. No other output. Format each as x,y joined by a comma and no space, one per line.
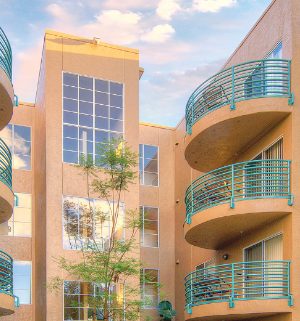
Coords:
6,194
8,301
257,189
6,88
242,290
256,92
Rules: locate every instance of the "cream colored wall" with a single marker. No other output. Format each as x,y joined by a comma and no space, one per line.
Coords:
82,56
162,197
22,248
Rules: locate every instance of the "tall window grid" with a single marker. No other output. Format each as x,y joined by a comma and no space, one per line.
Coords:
150,226
150,288
83,222
93,114
20,222
22,281
18,139
148,164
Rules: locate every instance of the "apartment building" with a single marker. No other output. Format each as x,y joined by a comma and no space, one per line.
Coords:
218,194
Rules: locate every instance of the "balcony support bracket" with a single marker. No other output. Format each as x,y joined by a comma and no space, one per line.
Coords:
291,200
290,301
232,205
231,303
188,308
232,106
291,99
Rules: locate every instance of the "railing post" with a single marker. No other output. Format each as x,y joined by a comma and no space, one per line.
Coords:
232,187
290,195
190,304
191,211
231,299
232,106
290,297
291,95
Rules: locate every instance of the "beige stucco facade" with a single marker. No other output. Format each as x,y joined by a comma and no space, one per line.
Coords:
223,137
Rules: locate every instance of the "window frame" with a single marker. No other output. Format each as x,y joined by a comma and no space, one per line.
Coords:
93,128
30,296
142,207
143,170
147,307
12,220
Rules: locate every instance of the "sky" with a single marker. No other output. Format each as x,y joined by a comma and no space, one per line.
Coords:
181,42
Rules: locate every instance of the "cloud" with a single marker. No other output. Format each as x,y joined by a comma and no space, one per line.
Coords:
125,4
159,34
169,92
212,5
167,8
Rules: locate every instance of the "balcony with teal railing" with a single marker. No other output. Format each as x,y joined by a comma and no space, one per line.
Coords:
7,96
250,80
5,54
6,194
6,285
236,282
255,179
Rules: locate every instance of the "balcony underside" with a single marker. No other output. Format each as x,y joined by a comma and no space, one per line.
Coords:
6,203
217,226
6,99
243,310
223,134
7,304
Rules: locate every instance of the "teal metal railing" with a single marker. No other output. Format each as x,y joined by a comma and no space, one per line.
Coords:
238,281
5,54
241,181
5,164
6,276
249,80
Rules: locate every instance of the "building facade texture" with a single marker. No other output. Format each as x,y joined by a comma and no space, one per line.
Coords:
218,194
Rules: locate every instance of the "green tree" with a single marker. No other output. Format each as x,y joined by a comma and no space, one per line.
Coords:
106,235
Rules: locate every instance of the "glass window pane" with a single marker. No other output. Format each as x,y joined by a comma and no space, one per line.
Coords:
116,125
86,82
150,151
101,123
70,131
116,136
151,213
101,110
86,147
116,113
86,120
101,85
22,281
71,118
70,157
86,95
116,101
22,147
21,162
85,108
85,133
151,227
22,214
71,144
151,165
116,88
24,200
70,92
150,240
101,136
70,79
22,229
22,132
101,98
70,104
150,179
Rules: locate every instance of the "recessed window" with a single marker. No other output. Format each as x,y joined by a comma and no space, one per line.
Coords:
18,139
87,220
20,222
150,288
22,281
150,228
148,165
92,115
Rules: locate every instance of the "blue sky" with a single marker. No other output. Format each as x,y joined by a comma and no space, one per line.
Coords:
181,42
